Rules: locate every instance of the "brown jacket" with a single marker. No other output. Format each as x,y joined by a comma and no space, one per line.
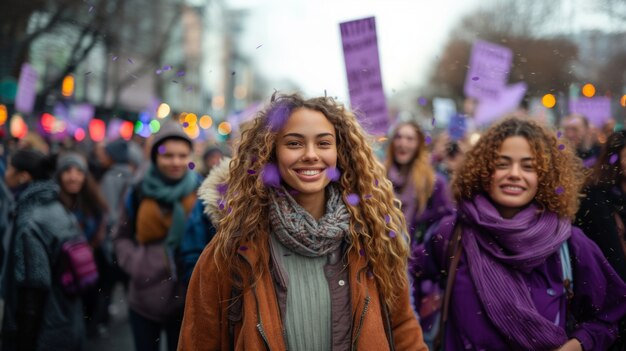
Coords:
206,323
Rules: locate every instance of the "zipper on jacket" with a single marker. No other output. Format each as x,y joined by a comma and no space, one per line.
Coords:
259,325
358,330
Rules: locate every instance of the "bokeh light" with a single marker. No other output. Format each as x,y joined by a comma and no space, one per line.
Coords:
155,126
67,87
589,90
4,114
126,130
548,100
191,118
205,122
623,100
97,130
138,127
193,131
163,110
18,127
79,134
224,128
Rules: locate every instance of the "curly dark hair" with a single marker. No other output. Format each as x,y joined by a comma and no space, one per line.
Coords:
560,173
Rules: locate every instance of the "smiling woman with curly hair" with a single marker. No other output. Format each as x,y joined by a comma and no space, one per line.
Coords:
311,250
511,277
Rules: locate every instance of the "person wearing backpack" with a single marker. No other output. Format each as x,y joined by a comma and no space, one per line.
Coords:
41,314
147,241
520,276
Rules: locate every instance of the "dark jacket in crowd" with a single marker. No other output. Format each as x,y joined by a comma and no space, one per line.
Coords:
39,314
596,217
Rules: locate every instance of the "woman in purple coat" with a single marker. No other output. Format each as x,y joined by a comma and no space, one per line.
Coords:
517,194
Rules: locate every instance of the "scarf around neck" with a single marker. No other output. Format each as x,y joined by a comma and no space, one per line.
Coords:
404,189
170,193
498,252
298,231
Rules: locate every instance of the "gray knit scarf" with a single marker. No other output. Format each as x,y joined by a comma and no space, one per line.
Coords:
297,230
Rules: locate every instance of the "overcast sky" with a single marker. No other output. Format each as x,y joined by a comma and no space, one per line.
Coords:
299,40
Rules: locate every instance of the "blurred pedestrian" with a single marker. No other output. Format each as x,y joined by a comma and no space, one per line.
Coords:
211,158
40,315
311,251
148,239
521,277
115,182
423,192
81,195
578,133
602,212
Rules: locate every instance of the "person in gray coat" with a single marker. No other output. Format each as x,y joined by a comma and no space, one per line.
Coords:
39,314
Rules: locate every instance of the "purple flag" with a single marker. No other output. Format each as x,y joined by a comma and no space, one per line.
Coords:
596,109
507,100
360,52
489,68
26,89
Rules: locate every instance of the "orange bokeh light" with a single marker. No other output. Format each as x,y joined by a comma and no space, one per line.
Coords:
589,90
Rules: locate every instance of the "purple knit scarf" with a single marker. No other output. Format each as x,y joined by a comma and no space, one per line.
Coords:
498,250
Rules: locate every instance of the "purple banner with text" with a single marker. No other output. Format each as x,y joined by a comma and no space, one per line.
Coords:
360,52
596,109
488,72
26,89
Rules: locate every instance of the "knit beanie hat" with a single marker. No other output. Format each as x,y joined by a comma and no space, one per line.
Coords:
71,159
118,151
34,162
169,130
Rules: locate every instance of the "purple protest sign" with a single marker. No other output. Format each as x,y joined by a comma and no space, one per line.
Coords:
596,109
26,89
489,68
507,100
360,52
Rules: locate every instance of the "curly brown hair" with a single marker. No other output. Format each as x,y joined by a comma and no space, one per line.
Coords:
246,202
560,173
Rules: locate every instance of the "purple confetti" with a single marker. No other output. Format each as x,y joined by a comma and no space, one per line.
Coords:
278,116
367,197
243,248
370,274
114,58
180,73
376,182
251,171
185,124
561,147
433,122
230,209
293,192
613,159
130,61
220,204
353,199
271,176
392,234
333,174
158,71
167,68
362,252
189,88
428,140
559,190
475,78
422,101
161,149
558,134
259,46
222,188
192,165
387,219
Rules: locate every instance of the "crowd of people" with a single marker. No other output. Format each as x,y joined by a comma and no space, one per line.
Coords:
305,240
